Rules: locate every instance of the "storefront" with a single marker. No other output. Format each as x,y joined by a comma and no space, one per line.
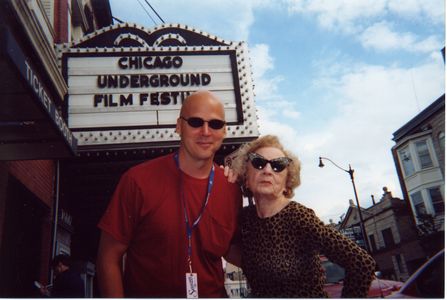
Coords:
34,135
73,121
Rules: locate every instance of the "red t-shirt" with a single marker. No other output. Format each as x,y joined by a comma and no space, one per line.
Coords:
147,214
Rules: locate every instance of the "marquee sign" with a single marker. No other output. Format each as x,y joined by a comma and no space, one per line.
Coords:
126,84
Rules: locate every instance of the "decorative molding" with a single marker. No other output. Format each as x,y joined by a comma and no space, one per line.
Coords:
43,48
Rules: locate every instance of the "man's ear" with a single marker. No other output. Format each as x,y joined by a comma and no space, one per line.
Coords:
178,128
225,130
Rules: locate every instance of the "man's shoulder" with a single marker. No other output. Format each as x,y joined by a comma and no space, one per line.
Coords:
155,165
230,189
226,191
151,171
220,176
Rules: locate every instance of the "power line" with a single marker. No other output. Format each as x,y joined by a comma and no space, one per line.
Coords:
116,19
414,91
147,12
147,2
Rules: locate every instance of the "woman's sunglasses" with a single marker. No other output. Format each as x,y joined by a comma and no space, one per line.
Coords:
259,162
196,122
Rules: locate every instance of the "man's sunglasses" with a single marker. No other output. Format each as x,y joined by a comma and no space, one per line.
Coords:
196,122
259,162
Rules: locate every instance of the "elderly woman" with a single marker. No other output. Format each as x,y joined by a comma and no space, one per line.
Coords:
281,239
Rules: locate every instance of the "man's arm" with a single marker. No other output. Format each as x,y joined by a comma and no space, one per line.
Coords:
109,264
234,255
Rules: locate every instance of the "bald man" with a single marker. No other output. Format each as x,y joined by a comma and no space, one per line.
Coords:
174,216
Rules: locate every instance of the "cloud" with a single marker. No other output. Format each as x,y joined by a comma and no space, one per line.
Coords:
364,103
270,124
368,18
346,14
291,114
381,37
281,109
429,44
340,15
431,10
372,102
261,60
267,86
261,63
219,18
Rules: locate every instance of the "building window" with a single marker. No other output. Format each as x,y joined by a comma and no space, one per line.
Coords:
406,161
48,6
399,263
436,200
423,154
418,203
388,237
372,242
89,17
441,139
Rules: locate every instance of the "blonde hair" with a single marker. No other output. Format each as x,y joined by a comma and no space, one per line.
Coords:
240,159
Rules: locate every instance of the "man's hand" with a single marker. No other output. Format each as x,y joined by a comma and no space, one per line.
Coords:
44,291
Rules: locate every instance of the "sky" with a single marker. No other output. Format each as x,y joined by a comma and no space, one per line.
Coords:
333,78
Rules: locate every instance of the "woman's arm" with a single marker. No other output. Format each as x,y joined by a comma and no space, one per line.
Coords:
358,264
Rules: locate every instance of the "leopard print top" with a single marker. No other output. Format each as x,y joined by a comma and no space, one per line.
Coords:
280,255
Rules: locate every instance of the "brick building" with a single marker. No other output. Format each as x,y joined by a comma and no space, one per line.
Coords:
34,135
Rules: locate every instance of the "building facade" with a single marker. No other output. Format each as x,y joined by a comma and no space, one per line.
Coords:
392,236
35,138
419,156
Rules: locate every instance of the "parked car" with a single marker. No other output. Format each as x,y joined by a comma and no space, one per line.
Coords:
426,282
334,282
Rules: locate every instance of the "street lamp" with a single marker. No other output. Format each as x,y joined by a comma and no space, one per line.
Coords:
350,171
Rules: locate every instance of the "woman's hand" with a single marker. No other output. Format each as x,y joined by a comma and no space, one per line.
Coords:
230,174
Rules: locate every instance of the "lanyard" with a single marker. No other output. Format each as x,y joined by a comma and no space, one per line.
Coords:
189,229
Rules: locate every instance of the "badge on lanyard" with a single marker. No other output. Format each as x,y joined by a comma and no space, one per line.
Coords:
192,290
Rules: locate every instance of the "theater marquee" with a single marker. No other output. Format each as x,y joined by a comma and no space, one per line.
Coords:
127,83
